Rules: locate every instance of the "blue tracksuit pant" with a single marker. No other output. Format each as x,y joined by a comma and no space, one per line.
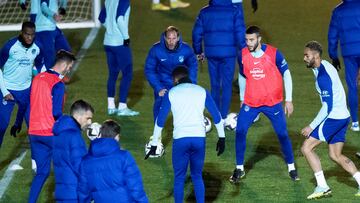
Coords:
277,117
22,99
352,65
119,58
221,73
41,152
188,150
47,39
61,41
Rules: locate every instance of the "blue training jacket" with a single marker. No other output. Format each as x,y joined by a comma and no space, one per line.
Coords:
161,61
69,148
109,174
345,26
221,26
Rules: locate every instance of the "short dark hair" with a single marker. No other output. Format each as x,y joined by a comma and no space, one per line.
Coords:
253,29
172,28
80,106
64,56
109,129
27,24
180,71
314,46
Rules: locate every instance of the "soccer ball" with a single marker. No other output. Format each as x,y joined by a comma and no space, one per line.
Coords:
93,131
207,123
159,149
231,121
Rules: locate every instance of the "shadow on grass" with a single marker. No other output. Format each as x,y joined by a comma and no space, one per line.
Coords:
21,145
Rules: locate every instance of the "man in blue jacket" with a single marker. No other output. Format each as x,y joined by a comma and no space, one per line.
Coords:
68,150
107,173
221,27
344,28
163,58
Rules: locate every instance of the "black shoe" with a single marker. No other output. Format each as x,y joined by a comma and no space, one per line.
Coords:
293,175
237,175
358,155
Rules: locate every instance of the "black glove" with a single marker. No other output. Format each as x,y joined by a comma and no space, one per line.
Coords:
126,42
336,64
220,146
62,11
15,129
254,5
23,6
151,152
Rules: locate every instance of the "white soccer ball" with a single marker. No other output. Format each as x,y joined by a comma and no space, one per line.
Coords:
93,131
207,124
231,121
159,149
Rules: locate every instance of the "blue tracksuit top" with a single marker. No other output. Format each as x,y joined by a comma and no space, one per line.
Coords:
221,26
161,61
109,174
69,148
345,26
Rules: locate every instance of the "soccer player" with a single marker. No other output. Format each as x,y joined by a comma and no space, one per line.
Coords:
344,29
331,122
46,102
157,6
221,27
189,131
115,17
69,149
108,173
263,70
17,58
47,15
163,58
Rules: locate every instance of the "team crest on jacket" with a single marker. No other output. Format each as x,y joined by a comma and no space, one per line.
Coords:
181,59
33,51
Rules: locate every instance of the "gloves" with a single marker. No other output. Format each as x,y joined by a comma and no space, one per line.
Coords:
336,64
62,11
23,6
126,42
15,129
151,152
254,5
220,146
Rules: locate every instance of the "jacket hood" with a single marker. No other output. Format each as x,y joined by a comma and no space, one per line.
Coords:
163,43
103,146
220,2
65,123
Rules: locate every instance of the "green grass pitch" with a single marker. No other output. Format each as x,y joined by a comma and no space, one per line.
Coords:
287,25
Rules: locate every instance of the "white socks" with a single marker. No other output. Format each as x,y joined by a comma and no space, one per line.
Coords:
320,179
111,103
291,167
122,106
241,167
357,177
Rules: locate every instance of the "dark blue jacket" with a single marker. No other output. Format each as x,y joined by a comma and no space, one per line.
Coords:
109,175
221,26
69,149
345,27
161,61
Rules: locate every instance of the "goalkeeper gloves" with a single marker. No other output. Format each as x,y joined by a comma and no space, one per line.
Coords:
23,6
126,42
220,146
254,5
151,152
62,11
336,64
15,129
